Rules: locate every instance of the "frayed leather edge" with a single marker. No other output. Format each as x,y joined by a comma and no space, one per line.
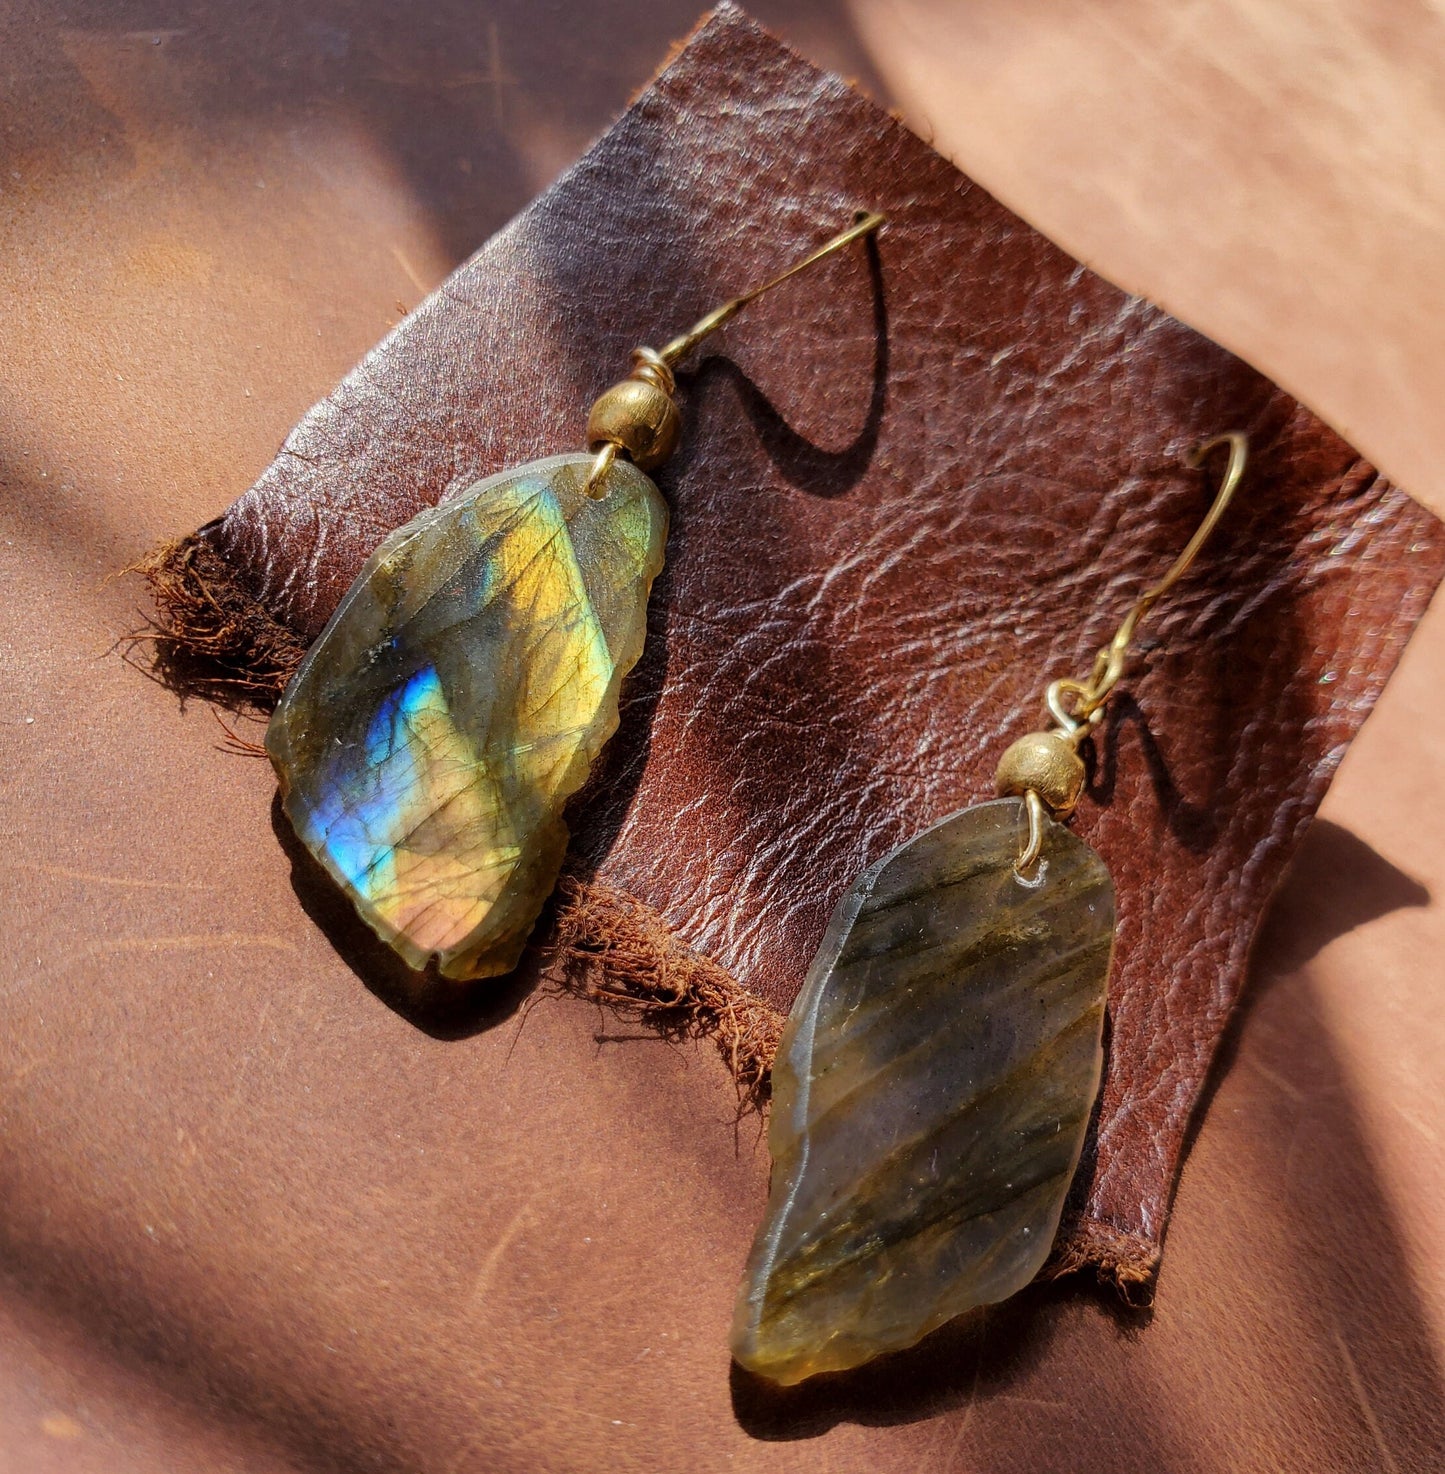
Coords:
1124,1261
611,948
209,637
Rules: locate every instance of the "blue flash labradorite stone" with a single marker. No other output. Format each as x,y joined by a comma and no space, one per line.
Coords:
930,1094
467,681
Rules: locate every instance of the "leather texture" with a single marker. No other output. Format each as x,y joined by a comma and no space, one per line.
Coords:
916,485
253,1220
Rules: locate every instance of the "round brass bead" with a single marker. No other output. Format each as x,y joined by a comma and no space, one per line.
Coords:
1046,763
636,417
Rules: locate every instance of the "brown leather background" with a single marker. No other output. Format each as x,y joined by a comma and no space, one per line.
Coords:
251,1220
911,492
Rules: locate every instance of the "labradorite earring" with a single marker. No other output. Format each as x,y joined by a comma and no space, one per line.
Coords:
469,678
935,1078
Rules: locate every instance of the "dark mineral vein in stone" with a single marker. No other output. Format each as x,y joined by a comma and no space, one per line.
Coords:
930,1094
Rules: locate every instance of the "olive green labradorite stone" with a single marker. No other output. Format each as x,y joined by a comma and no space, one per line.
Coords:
930,1094
466,682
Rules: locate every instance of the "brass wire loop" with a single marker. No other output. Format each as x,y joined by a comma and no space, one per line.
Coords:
1034,841
653,367
601,465
1077,706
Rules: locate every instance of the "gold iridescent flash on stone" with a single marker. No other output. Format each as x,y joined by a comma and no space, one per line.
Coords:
457,699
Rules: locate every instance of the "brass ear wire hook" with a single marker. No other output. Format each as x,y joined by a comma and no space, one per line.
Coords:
1045,769
638,416
864,224
1110,662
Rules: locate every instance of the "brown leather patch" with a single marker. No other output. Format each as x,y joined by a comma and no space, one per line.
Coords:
916,484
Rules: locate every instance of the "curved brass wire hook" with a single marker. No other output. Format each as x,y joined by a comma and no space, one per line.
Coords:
654,366
1091,696
1077,707
864,223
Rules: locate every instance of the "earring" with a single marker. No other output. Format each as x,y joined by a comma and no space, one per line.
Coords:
469,678
935,1079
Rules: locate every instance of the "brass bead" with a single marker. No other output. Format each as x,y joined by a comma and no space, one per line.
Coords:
1046,763
638,418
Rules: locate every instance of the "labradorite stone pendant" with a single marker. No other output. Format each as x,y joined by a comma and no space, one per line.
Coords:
431,737
930,1093
433,734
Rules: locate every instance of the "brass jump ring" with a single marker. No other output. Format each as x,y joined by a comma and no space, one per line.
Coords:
1075,725
600,467
1034,844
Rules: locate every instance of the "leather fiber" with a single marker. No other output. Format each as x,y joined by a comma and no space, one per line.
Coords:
916,484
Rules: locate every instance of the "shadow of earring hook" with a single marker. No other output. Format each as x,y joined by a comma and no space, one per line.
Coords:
801,462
